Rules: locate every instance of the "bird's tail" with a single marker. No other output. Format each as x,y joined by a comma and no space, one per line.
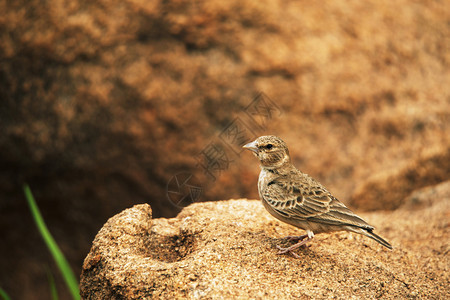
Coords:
377,238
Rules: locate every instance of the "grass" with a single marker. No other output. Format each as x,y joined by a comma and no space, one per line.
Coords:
58,256
52,284
4,295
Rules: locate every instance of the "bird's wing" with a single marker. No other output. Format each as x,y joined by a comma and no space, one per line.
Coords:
301,197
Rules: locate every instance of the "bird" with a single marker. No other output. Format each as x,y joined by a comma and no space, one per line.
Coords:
298,199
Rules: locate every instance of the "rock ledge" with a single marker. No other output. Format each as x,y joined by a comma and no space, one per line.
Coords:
228,249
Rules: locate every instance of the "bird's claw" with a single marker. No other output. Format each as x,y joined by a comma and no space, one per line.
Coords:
293,247
287,250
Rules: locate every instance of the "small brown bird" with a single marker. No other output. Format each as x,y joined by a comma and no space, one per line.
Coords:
297,199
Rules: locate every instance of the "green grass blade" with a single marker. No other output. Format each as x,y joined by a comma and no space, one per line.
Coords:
4,295
58,256
52,284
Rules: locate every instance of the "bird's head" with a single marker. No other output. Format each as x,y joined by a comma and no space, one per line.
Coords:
271,151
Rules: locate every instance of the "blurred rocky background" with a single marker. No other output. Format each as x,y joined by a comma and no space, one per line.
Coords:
107,104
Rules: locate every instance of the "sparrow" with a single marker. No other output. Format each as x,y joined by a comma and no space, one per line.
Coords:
299,200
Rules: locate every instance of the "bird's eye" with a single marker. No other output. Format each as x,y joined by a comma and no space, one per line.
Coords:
269,146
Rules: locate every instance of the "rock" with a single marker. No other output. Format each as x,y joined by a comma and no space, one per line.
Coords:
426,197
90,89
227,249
104,102
389,189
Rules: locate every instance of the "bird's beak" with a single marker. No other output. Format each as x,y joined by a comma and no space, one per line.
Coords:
251,146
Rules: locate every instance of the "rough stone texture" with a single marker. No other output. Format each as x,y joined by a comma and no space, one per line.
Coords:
227,249
427,196
102,102
389,190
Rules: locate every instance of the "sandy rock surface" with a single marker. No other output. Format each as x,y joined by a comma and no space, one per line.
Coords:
228,249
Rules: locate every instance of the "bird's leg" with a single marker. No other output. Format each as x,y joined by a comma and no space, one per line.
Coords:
296,237
309,236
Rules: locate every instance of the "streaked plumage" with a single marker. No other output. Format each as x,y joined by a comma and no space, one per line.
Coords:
297,199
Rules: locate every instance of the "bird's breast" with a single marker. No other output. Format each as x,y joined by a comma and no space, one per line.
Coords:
263,180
